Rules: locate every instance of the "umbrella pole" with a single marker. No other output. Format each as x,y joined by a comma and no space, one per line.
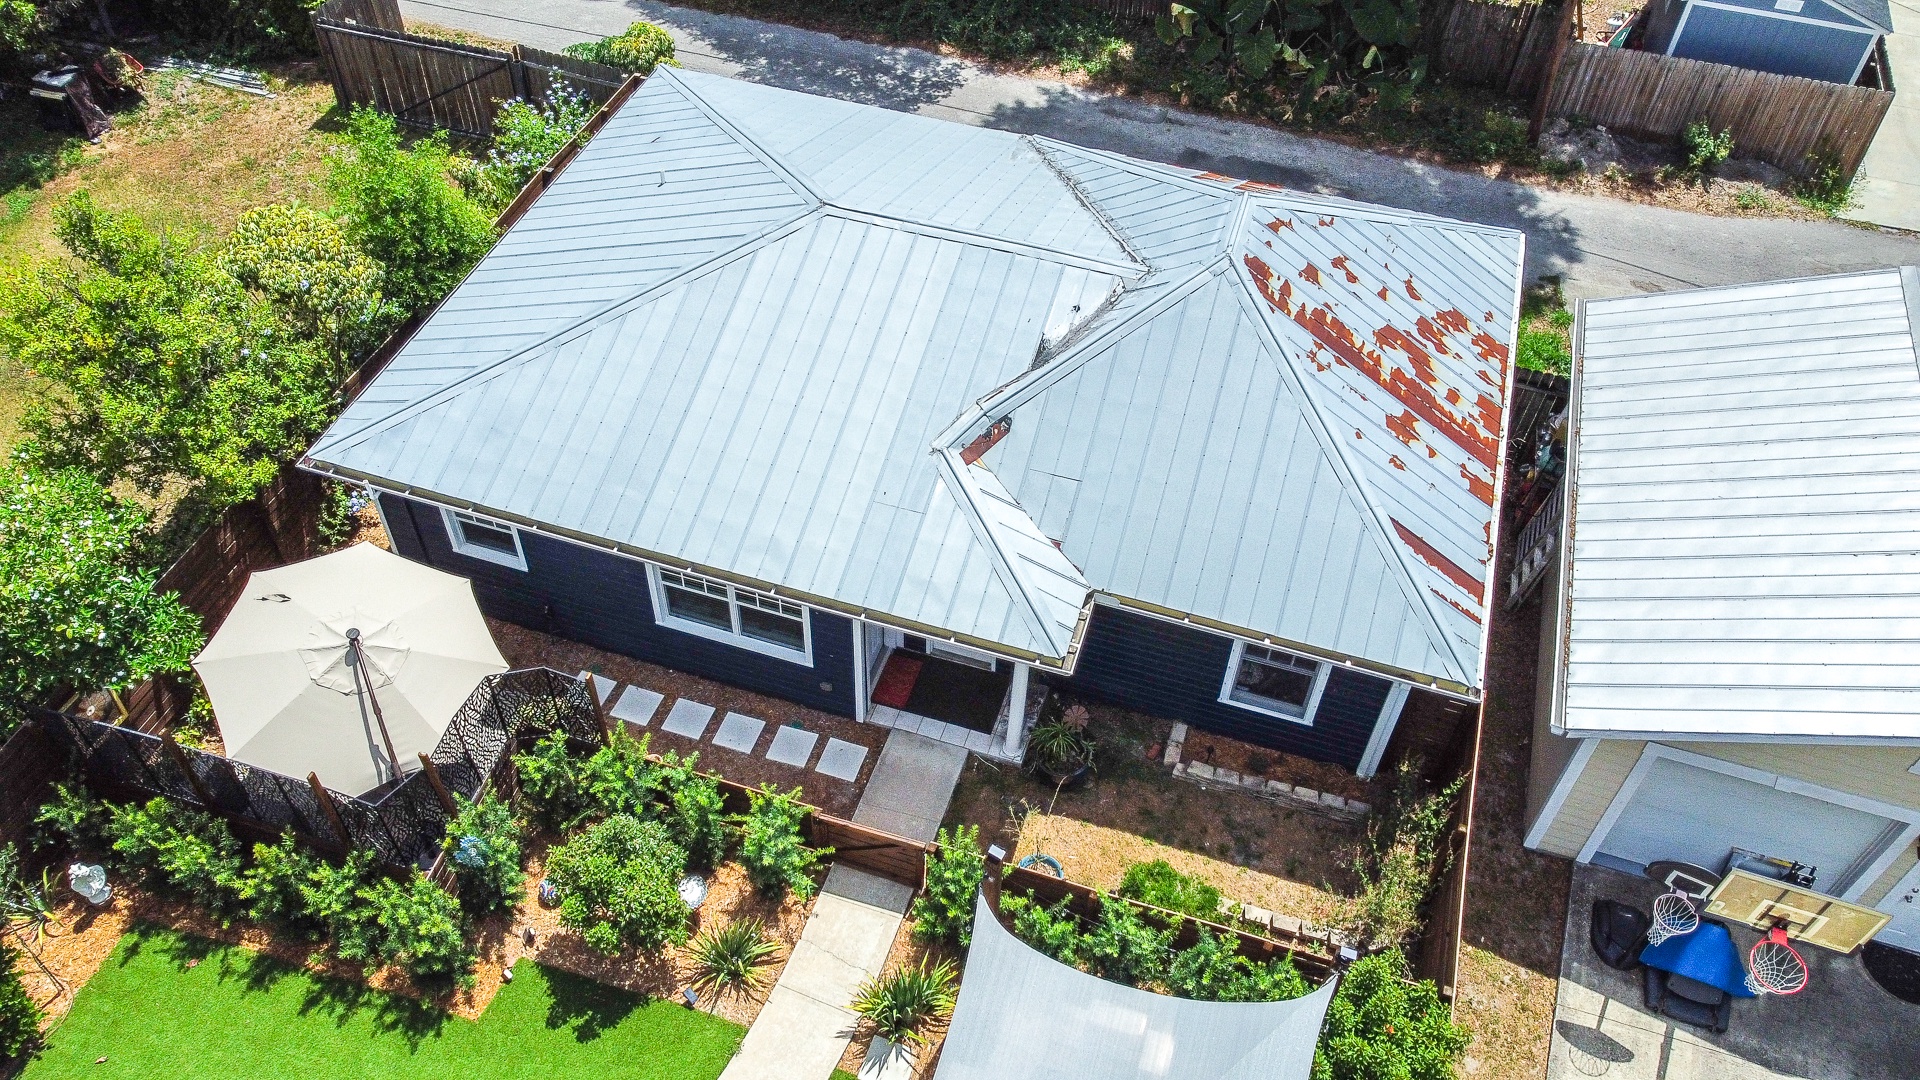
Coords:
359,666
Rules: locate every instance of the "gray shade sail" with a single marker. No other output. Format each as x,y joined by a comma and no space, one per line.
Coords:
1024,1014
283,691
765,335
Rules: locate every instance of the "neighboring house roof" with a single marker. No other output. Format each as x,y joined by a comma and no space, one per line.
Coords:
765,334
1876,13
1744,559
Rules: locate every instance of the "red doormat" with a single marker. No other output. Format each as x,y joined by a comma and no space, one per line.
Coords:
896,681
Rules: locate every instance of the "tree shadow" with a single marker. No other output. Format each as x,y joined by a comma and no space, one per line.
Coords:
586,1007
390,1014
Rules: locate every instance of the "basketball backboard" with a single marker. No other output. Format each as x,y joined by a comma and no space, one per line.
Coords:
1764,903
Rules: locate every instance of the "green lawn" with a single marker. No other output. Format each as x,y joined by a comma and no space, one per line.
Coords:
238,1014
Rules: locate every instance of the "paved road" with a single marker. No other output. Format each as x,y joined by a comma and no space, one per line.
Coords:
1889,191
1601,247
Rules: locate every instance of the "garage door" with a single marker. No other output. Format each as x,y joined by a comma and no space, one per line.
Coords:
1698,815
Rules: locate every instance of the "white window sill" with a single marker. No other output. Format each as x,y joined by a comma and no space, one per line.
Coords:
738,641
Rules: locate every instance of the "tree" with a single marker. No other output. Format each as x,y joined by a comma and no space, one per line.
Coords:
302,262
638,49
165,371
76,609
525,138
400,206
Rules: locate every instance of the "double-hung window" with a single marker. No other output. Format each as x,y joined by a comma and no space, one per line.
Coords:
739,616
484,538
1274,682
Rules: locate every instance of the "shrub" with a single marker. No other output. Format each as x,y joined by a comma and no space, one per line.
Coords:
618,885
419,928
618,778
731,958
161,369
274,888
1059,742
483,844
1546,342
638,49
186,850
900,1004
1213,970
1827,189
332,896
341,504
1159,884
303,264
1705,149
525,138
770,847
76,607
552,777
1123,947
696,813
74,818
1404,849
1381,1027
1052,930
262,29
944,909
400,206
19,1015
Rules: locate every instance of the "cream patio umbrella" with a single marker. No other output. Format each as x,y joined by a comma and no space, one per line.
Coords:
347,666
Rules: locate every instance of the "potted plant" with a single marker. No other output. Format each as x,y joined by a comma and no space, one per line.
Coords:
1059,748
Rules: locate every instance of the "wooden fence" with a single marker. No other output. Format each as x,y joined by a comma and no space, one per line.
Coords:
1776,118
1505,47
431,83
1129,9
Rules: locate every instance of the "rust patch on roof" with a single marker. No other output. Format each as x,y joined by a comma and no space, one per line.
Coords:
1413,293
978,448
1455,604
1394,460
1491,351
1435,558
1311,273
1383,292
1406,428
1430,333
1340,264
1280,223
1325,222
1481,487
1258,185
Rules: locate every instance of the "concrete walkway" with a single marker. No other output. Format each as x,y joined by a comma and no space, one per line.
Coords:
1889,180
1602,247
806,1024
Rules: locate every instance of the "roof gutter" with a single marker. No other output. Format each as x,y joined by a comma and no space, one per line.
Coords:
1569,507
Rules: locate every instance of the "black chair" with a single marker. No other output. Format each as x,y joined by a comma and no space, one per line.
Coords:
1617,932
1687,1001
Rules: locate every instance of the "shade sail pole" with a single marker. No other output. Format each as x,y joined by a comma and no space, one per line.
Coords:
358,662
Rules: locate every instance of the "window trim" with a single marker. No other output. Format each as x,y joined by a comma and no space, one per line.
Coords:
456,538
735,638
1305,719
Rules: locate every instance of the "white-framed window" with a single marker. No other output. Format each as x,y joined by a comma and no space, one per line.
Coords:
739,616
1274,682
484,538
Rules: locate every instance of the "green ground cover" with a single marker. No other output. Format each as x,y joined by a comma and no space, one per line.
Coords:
168,1004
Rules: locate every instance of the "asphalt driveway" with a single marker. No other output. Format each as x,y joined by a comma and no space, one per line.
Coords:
1601,247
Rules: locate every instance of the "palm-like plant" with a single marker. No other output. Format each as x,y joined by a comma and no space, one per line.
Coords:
898,1005
731,957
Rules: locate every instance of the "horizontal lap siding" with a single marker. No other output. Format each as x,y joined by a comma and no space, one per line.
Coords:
1174,671
602,599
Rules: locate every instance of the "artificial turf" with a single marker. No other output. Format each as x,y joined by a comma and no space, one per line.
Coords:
172,1005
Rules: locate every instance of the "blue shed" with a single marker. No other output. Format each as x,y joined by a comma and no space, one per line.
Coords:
1829,40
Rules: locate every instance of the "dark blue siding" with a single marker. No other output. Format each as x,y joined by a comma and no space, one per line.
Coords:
1174,671
602,599
1760,43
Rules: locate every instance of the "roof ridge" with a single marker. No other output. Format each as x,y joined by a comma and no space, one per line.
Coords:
1137,167
767,157
718,260
1113,229
1336,453
980,239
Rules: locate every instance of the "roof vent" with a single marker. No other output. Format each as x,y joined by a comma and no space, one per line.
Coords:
978,448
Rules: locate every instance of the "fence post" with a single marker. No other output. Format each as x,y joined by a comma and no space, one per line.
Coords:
1542,97
439,788
179,757
325,799
599,711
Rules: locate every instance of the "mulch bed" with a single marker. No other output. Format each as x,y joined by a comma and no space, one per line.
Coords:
910,951
1250,760
528,648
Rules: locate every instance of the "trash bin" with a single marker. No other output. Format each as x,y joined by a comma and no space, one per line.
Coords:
65,103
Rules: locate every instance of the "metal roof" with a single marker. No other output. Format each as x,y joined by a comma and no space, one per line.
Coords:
1746,549
1293,402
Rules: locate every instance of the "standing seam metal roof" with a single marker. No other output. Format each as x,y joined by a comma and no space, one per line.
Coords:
1746,545
1290,437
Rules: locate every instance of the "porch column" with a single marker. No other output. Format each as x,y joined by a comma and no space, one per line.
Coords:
1016,709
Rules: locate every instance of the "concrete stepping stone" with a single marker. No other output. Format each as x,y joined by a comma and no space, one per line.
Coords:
687,719
841,760
603,687
738,733
792,746
637,705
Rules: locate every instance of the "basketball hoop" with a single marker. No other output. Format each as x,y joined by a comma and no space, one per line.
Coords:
1673,915
1774,968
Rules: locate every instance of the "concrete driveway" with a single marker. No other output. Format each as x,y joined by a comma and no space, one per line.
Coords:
1601,247
1889,179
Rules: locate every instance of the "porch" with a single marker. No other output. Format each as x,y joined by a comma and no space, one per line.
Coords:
949,693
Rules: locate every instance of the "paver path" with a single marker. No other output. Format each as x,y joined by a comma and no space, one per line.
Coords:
806,1023
1603,247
